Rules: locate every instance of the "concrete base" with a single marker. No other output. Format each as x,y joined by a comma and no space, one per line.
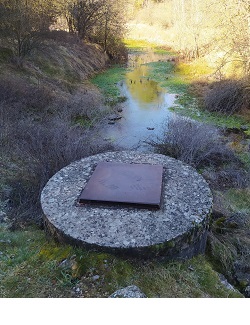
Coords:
178,230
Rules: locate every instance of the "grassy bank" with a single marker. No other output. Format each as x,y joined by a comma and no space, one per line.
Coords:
107,83
33,266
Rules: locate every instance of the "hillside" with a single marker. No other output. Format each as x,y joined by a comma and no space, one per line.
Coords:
47,107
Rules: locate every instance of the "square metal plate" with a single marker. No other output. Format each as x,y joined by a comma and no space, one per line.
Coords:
114,182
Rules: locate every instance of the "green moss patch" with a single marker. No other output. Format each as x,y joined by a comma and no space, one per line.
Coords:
107,83
32,266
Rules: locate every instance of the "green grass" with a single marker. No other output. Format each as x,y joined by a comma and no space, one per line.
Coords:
141,45
187,105
5,54
107,83
138,45
177,78
163,73
31,266
245,158
239,199
83,121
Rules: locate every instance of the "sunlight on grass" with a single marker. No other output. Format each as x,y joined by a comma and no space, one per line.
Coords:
141,45
32,266
107,82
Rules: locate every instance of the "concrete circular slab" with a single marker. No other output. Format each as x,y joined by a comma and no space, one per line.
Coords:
177,230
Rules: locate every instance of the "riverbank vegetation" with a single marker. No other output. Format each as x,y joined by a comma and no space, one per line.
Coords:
48,109
32,266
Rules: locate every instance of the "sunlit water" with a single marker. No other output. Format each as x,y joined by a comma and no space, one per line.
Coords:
146,107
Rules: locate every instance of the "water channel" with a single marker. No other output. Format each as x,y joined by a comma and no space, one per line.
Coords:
146,107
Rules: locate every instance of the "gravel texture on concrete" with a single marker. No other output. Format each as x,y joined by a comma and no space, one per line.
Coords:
128,292
185,207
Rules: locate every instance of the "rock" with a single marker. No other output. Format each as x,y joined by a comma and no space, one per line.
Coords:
65,264
114,117
2,216
7,241
96,277
77,291
111,122
119,110
128,292
226,283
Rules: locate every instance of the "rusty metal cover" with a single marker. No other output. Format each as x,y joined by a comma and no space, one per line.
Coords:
113,182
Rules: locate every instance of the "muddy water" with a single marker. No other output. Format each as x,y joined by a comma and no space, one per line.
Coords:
145,109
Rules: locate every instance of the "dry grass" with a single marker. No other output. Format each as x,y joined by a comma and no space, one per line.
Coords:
47,110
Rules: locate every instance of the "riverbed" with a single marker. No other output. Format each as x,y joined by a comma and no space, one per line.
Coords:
146,109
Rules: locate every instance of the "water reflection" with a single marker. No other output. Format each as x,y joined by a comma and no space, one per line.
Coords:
146,107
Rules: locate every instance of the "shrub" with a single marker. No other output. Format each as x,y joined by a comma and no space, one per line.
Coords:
41,150
229,176
18,92
228,97
194,143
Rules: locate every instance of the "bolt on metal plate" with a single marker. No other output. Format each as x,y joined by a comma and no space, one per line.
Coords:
135,184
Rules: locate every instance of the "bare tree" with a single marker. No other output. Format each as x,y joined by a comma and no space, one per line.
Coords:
21,21
85,15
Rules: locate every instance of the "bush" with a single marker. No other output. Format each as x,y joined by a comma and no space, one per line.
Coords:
228,97
40,150
194,143
27,97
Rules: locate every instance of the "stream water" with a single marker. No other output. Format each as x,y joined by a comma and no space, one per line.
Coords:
146,107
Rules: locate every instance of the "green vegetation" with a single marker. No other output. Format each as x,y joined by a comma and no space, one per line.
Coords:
239,199
32,266
107,82
187,106
163,73
141,45
176,78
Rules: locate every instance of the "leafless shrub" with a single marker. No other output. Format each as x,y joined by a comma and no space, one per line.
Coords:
42,150
230,176
24,96
228,97
84,102
194,143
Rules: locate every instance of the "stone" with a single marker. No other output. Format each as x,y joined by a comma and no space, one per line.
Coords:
114,117
96,277
128,292
2,216
226,284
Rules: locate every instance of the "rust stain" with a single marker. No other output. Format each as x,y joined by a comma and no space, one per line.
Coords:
135,184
